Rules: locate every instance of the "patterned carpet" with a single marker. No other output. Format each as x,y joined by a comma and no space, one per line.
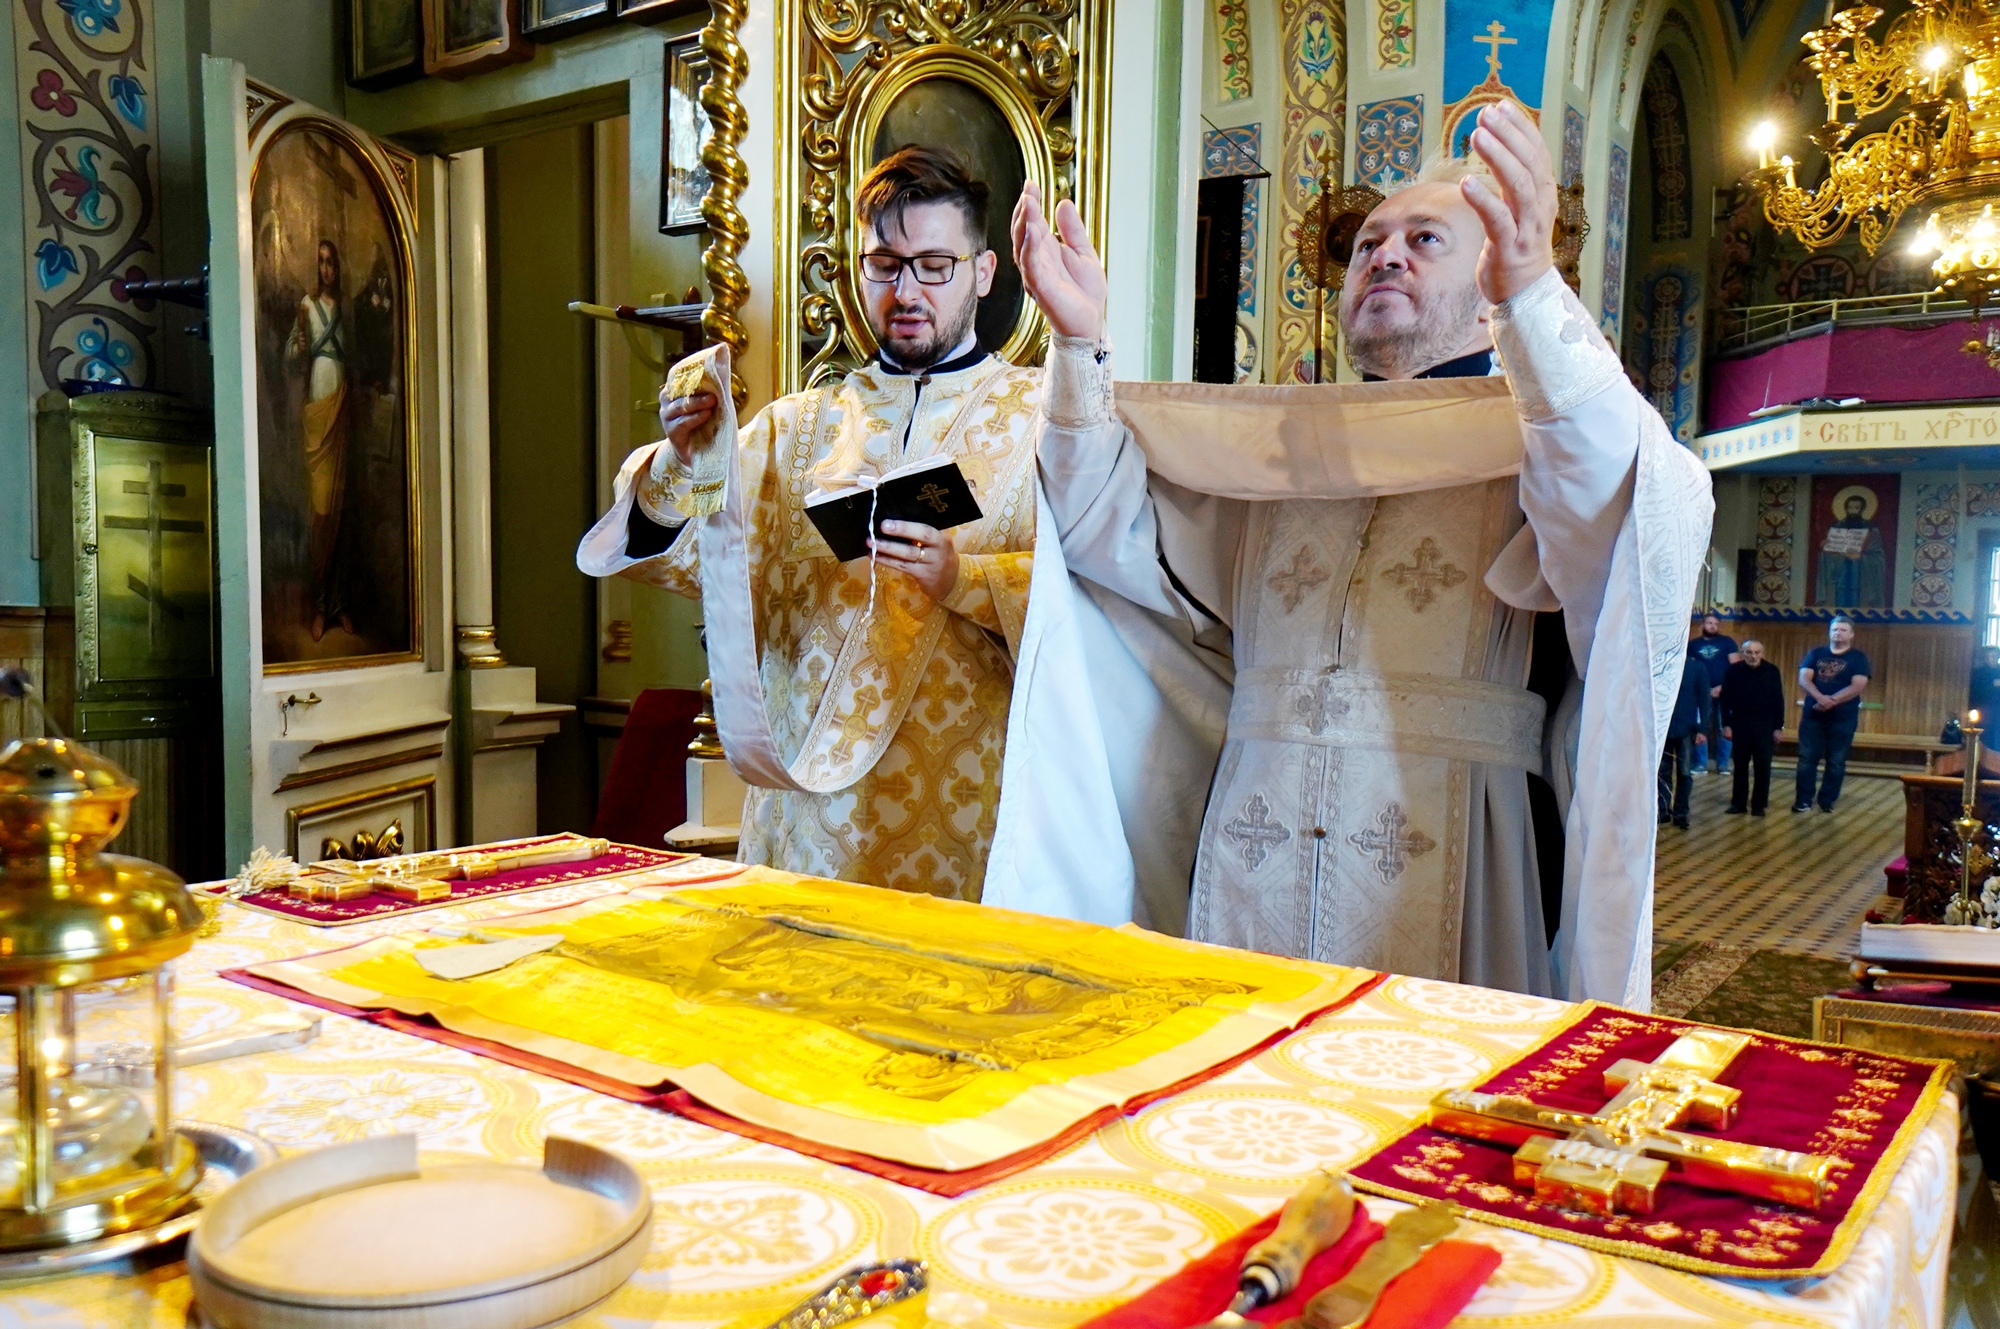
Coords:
1793,882
1755,916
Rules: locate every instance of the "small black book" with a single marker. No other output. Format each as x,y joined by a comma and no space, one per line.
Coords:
932,491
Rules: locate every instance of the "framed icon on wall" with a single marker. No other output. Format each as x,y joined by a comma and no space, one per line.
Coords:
683,178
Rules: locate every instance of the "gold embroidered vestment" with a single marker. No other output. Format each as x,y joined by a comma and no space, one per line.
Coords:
900,713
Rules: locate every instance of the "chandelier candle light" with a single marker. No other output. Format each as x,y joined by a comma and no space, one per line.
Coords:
1937,67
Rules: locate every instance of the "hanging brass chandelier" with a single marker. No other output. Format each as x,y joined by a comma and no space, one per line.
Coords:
1929,95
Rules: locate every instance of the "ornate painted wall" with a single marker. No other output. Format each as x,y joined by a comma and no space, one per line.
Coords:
1313,61
89,135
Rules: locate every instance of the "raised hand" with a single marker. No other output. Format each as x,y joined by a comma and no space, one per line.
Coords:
1520,220
1061,271
681,416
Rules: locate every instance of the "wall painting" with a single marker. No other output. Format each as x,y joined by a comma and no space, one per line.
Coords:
89,156
1853,540
335,416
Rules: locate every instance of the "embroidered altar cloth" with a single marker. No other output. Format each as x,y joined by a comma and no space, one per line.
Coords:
1862,1109
621,860
905,1027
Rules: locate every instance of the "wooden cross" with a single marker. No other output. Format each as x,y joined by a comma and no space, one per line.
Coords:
155,524
1493,41
1613,1160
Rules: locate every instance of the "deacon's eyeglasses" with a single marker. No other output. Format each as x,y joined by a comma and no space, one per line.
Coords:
931,269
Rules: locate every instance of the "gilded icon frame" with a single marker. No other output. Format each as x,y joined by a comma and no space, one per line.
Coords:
831,61
1031,136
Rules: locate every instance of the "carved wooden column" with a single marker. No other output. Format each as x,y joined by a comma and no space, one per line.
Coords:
472,463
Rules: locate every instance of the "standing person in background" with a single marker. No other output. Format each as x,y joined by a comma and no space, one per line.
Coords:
1833,677
1676,779
1753,714
1983,694
1717,651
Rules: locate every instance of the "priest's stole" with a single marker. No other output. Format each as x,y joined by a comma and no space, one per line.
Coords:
927,1031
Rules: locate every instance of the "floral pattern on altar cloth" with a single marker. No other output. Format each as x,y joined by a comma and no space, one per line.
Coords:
1147,1193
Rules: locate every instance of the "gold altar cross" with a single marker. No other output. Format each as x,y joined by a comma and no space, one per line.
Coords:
1614,1160
1493,41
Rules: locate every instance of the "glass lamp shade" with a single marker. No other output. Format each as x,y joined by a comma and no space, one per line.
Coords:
87,1146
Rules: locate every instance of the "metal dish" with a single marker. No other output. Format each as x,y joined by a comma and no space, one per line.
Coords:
227,1153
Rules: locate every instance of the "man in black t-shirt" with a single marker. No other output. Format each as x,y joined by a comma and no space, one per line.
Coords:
1832,679
1717,651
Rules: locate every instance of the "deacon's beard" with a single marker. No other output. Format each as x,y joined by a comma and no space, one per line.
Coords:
923,352
1437,332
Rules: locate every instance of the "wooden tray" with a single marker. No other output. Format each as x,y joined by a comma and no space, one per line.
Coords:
358,1237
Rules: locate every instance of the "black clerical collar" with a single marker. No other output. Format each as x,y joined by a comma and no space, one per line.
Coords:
1477,365
963,361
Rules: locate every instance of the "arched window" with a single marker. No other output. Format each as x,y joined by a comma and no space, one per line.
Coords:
1667,143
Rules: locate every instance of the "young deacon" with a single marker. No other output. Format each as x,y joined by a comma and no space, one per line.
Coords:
866,701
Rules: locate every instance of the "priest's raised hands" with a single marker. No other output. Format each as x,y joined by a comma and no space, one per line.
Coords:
1520,219
1059,266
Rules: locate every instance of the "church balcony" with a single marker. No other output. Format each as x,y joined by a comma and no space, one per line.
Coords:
1880,348
1922,435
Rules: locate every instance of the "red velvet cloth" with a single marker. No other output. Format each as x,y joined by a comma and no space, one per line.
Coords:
678,1101
338,913
645,796
1862,1107
1879,364
1425,1296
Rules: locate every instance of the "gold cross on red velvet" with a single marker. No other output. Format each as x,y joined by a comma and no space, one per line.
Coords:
1613,1160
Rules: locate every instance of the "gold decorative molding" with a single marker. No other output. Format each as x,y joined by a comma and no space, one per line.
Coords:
1044,64
419,795
618,641
477,649
729,231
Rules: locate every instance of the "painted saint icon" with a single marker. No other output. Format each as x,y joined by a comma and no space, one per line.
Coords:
334,420
1853,558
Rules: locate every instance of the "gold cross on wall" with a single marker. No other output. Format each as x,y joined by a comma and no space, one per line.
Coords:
1493,41
155,524
1613,1160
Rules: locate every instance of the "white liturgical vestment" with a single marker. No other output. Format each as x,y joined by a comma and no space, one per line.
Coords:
1330,591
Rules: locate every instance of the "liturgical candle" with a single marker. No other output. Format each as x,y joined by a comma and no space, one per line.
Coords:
1971,759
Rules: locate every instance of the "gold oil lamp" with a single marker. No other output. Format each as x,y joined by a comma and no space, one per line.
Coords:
85,938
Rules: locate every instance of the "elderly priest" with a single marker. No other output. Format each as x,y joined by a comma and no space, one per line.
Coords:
866,701
1335,593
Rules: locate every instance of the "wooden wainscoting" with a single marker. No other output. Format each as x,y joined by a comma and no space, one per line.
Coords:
1921,669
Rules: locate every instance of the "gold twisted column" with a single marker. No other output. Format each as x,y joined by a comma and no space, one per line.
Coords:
728,288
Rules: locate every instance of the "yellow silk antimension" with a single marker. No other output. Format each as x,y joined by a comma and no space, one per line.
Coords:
911,1028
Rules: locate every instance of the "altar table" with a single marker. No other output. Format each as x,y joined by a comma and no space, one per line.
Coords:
742,1230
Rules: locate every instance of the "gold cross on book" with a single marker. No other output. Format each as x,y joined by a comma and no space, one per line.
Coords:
1614,1159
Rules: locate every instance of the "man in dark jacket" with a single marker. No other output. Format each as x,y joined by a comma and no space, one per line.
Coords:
1676,780
1753,713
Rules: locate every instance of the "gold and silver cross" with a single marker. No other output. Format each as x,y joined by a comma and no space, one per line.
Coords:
1613,1160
